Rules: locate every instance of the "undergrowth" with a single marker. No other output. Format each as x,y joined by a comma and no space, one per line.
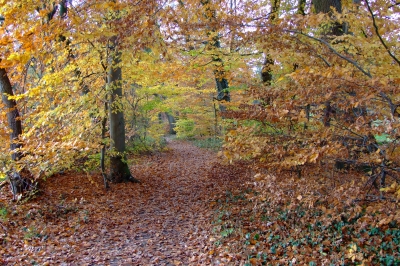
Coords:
287,221
144,145
211,143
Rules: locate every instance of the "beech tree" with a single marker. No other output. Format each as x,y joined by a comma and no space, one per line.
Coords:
49,76
338,83
13,117
266,72
321,67
214,45
119,170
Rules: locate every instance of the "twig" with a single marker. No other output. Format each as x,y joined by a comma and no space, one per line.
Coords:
3,183
396,4
311,48
100,54
354,63
392,106
378,34
374,198
4,228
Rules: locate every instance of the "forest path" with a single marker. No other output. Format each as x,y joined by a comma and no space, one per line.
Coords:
164,220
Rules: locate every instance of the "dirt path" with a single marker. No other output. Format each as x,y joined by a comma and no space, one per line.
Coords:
164,220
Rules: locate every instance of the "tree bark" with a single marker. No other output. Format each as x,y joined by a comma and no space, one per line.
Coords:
166,117
119,170
326,6
266,72
13,117
171,123
103,147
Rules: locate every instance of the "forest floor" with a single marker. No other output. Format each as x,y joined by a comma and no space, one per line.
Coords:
164,220
191,209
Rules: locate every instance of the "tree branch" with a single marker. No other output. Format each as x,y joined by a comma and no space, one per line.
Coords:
100,54
378,34
392,106
313,50
396,4
354,63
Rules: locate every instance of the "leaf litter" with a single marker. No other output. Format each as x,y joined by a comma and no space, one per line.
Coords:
164,220
191,209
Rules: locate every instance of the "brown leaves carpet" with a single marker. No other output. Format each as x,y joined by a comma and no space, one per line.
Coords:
164,220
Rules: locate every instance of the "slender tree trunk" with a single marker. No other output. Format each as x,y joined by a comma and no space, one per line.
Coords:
119,170
18,183
326,6
219,72
171,123
13,117
103,147
221,81
266,72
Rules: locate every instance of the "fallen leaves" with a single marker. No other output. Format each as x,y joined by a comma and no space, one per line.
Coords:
307,221
192,210
164,220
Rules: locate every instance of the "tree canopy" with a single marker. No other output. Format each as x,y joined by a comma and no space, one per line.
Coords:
286,83
302,97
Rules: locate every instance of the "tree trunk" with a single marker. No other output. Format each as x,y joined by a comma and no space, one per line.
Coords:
165,117
119,170
18,183
220,75
326,6
13,118
103,147
266,72
219,71
171,124
301,7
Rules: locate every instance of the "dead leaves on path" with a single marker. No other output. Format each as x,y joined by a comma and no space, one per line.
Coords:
191,210
164,220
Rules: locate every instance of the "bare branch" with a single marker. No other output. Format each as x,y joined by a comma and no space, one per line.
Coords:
396,4
379,35
351,61
392,106
316,53
100,54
